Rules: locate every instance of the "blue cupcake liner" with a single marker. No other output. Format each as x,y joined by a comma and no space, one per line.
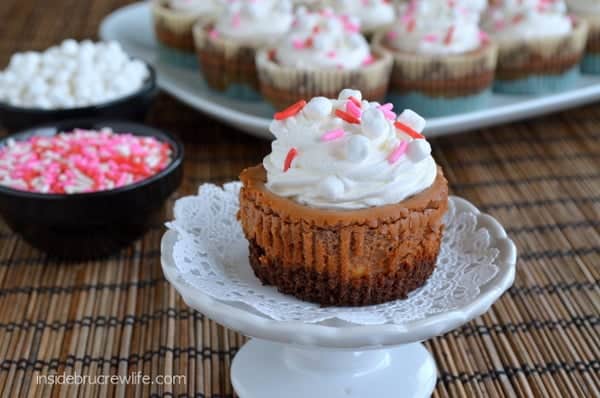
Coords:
177,57
242,92
428,106
538,84
591,63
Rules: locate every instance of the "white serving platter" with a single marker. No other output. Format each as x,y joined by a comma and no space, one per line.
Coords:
132,27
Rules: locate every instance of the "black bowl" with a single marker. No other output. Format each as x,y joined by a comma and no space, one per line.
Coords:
86,225
131,107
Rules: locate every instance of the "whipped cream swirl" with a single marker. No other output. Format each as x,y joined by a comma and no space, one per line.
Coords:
584,6
255,22
323,39
436,27
527,19
373,14
348,153
196,6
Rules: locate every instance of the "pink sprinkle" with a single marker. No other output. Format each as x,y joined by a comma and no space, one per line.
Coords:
387,111
327,12
431,38
391,35
333,135
353,109
236,20
213,34
398,152
499,25
368,60
352,27
298,44
332,54
484,37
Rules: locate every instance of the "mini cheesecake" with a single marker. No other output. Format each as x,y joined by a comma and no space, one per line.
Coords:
362,225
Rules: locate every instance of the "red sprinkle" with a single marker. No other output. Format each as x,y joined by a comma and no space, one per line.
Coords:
449,36
291,111
408,130
346,117
289,158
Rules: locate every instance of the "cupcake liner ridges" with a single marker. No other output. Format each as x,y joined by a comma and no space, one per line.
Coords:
352,262
330,288
284,85
172,28
446,76
518,59
225,63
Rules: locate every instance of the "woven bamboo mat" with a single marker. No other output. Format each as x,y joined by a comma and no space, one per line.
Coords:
118,316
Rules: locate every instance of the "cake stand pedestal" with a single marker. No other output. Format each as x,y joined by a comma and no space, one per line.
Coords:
271,370
335,358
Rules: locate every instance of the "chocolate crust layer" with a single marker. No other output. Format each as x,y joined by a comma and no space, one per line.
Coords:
330,289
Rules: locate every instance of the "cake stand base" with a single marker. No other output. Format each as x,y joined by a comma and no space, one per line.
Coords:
264,369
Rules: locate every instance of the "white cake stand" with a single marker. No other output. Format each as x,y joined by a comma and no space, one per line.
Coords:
335,358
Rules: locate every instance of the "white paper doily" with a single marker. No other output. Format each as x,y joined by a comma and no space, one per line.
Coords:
211,255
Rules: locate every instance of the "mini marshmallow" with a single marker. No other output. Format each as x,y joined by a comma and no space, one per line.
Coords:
374,124
413,120
418,150
331,187
318,108
71,75
347,93
357,148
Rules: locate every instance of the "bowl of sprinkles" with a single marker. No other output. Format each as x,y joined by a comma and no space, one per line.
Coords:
86,188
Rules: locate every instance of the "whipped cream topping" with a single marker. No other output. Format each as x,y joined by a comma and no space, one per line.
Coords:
527,19
372,14
195,6
436,27
256,22
348,153
323,39
584,6
476,6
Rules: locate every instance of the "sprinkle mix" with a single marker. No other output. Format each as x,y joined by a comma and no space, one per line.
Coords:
81,161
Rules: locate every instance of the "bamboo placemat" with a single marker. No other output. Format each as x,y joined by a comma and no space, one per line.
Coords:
118,316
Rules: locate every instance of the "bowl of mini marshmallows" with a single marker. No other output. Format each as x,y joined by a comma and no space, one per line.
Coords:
83,189
74,80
